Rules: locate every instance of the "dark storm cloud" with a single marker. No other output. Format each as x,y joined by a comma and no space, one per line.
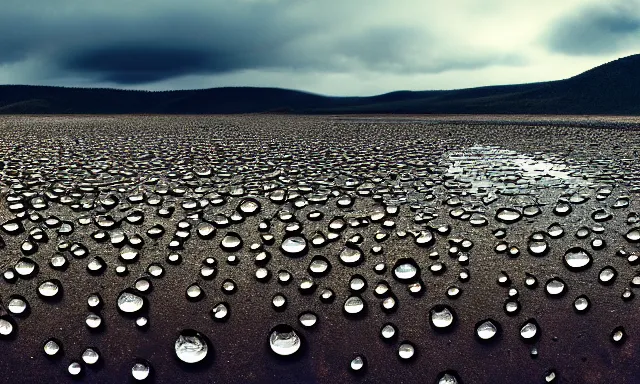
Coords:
143,42
142,64
597,29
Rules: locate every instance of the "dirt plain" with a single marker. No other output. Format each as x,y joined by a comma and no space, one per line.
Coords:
441,178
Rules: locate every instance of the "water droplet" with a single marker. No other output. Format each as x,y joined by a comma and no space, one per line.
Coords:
74,368
388,331
530,281
633,235
49,288
206,230
279,301
406,270
562,208
194,292
453,292
52,347
503,279
231,242
448,377
357,283
26,267
601,215
294,245
142,322
538,248
486,329
406,351
93,321
308,319
618,335
607,275
582,303
354,305
141,370
249,207
284,341
442,317
627,294
357,364
18,305
508,215
529,330
555,231
511,307
191,347
577,259
319,266
129,302
425,238
550,376
555,286
351,256
90,356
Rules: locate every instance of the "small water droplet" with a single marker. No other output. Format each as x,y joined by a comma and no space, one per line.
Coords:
406,350
555,287
487,329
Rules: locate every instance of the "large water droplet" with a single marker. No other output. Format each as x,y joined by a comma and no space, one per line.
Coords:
486,329
442,317
448,377
231,242
284,340
633,235
555,287
49,288
52,347
191,347
351,256
141,370
357,364
405,270
294,245
577,259
353,305
529,330
129,302
508,215
406,351
607,275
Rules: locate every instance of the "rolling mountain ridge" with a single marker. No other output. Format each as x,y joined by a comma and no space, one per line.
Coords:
610,89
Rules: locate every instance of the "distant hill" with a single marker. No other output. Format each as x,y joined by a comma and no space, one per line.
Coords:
610,89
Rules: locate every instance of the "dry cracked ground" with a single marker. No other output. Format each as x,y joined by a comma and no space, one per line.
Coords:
269,249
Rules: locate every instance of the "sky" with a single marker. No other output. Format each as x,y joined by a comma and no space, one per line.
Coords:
333,47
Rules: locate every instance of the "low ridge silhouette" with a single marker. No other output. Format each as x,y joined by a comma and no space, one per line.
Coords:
610,89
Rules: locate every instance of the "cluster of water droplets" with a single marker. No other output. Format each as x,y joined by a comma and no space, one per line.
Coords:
371,228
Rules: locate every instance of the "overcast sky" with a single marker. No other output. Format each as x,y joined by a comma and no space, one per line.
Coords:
336,47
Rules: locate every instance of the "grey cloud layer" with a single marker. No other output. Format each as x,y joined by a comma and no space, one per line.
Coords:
599,28
143,42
